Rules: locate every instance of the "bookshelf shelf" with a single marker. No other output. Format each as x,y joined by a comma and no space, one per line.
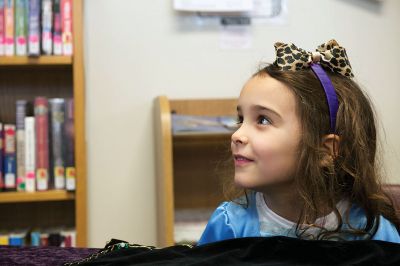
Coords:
190,165
192,138
51,195
32,61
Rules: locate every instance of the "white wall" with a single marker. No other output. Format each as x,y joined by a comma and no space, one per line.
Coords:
135,50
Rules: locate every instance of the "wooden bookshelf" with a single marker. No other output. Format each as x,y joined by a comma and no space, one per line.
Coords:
41,60
50,76
51,195
188,177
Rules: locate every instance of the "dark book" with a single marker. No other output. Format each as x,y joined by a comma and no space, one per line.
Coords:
57,31
57,165
1,156
9,157
69,133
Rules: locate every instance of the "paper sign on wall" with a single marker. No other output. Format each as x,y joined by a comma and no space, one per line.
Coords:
213,5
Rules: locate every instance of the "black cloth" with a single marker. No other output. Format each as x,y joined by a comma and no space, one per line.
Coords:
258,251
40,256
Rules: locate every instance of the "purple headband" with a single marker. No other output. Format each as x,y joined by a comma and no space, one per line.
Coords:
328,56
330,94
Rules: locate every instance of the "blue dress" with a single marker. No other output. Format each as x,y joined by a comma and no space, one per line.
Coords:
231,220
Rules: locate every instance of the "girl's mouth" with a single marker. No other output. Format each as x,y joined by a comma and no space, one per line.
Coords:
241,160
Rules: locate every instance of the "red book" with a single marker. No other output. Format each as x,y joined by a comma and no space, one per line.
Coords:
42,143
2,30
66,26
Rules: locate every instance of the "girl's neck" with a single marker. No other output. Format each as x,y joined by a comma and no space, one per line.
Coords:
284,201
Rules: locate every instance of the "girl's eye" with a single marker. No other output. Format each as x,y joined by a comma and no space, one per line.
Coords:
262,120
239,120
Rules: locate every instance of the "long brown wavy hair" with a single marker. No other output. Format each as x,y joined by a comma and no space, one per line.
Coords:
355,172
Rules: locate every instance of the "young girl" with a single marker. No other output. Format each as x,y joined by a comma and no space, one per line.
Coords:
305,155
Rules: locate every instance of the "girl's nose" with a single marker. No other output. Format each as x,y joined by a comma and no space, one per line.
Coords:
239,138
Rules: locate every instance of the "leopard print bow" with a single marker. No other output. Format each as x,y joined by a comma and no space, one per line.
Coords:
330,55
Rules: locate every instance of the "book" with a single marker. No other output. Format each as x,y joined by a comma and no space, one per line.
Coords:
44,239
68,238
42,143
9,157
2,29
35,238
57,37
55,239
69,133
30,154
9,27
21,106
66,26
57,116
17,239
196,123
47,27
1,157
34,28
21,26
3,239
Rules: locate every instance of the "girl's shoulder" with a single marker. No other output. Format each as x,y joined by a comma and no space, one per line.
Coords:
232,219
386,230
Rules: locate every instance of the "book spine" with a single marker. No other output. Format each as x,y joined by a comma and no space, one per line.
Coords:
42,145
69,133
66,25
69,238
17,240
1,157
20,134
47,40
2,29
57,116
44,239
30,165
9,157
35,238
34,28
9,27
4,240
21,18
57,37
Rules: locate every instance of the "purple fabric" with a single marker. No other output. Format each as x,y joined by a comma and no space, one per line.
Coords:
35,256
330,93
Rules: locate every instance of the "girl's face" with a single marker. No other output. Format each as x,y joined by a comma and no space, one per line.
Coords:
265,146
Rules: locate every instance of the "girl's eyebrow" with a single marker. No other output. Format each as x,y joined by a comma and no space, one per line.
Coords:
260,108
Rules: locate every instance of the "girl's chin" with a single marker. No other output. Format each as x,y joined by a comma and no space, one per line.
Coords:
245,183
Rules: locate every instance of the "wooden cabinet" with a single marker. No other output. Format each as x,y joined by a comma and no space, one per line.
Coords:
50,76
190,166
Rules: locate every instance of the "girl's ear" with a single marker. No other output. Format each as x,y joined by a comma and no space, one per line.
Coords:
330,148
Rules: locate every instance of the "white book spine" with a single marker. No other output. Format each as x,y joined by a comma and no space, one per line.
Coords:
30,152
47,17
